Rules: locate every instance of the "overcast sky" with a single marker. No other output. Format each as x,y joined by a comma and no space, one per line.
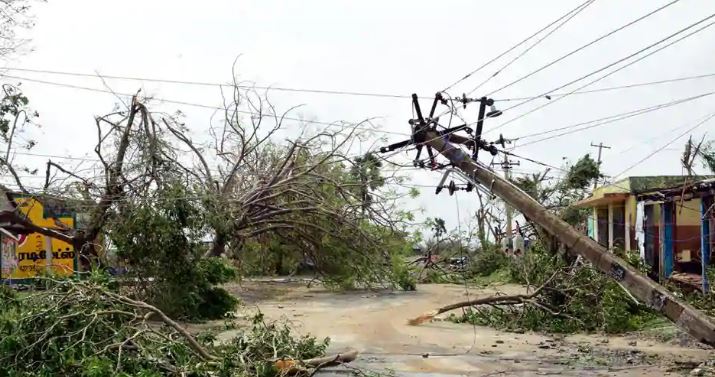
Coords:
396,47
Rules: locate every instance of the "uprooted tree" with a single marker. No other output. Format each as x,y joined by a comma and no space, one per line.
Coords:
306,199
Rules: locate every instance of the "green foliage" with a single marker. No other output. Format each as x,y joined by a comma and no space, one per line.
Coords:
583,173
349,241
574,215
403,276
263,341
8,296
160,239
437,225
581,300
15,116
561,195
366,172
86,329
487,261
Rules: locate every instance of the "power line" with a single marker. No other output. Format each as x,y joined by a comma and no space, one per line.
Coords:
53,156
650,139
607,120
698,124
328,124
610,88
533,161
505,66
584,46
512,48
209,84
610,65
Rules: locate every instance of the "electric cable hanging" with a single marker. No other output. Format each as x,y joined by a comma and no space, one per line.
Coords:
509,63
654,152
205,83
610,88
609,66
606,120
633,22
327,124
512,48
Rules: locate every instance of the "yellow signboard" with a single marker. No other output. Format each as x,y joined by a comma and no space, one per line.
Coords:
36,254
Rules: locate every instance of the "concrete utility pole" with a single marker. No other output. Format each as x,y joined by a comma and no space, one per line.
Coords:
653,294
506,166
600,147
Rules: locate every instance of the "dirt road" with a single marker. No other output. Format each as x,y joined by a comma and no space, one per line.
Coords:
375,323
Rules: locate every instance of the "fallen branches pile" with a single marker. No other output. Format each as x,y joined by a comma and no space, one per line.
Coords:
83,328
567,299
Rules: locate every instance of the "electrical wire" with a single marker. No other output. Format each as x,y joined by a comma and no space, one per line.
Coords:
512,48
327,124
533,161
583,47
505,66
610,88
209,84
650,139
606,120
649,155
611,65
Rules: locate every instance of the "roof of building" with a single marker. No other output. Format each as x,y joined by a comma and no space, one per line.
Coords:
620,190
686,191
11,218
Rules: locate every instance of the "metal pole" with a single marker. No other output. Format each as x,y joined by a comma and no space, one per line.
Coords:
600,147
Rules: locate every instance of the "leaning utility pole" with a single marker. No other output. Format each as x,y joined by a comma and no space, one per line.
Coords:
425,134
600,147
506,166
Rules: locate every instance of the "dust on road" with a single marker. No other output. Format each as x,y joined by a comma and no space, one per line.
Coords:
375,323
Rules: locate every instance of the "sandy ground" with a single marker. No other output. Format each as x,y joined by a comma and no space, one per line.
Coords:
375,323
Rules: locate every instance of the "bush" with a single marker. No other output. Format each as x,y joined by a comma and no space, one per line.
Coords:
403,276
487,261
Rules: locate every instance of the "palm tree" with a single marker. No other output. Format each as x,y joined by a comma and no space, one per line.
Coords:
366,172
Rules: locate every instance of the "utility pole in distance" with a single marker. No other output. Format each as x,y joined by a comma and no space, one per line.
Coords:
600,147
506,166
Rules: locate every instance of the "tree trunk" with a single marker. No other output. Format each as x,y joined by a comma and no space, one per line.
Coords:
218,246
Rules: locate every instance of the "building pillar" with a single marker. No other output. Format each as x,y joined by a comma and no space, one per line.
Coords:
610,226
667,246
627,221
705,204
595,224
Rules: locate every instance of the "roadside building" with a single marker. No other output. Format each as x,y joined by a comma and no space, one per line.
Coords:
24,254
612,221
660,217
678,240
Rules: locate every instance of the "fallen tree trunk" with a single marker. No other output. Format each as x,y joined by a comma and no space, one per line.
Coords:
491,300
651,293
